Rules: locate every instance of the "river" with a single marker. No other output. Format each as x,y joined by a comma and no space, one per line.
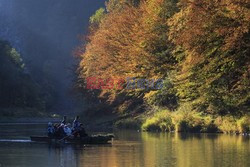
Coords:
129,149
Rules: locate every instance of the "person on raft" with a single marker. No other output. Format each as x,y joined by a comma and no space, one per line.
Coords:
64,121
59,128
63,130
67,130
76,123
78,129
51,130
59,131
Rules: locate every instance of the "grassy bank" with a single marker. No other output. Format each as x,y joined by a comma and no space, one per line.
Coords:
184,120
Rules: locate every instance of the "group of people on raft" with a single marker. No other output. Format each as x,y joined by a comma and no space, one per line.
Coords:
64,129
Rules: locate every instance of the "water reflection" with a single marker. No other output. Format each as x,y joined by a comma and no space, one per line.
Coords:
195,150
133,149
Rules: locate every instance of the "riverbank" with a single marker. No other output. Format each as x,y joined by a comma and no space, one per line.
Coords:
196,123
159,120
183,121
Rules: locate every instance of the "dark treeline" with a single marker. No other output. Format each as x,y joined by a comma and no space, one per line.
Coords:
45,33
200,49
17,89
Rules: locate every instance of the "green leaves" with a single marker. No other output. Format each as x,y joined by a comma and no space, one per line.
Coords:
97,17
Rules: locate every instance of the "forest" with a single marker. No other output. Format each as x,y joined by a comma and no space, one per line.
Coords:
199,48
19,93
42,34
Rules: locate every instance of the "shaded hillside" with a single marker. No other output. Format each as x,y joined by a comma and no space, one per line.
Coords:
18,91
46,32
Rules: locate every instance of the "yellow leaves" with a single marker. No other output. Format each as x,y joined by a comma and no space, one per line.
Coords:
129,41
197,20
107,53
124,42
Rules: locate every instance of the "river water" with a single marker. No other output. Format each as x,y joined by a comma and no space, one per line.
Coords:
129,149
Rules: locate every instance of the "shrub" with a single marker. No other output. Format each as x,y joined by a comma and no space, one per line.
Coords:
186,120
244,124
226,124
161,121
209,125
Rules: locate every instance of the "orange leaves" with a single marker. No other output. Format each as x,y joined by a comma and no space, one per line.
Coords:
108,52
202,44
135,40
200,21
129,41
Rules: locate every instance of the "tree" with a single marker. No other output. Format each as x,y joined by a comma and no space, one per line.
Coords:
17,89
215,38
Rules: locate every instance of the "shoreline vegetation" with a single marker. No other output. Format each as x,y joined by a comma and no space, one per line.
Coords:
199,48
159,120
162,121
186,121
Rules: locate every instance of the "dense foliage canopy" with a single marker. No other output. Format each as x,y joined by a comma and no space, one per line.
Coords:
200,48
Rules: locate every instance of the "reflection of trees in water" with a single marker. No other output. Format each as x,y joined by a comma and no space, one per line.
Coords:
156,149
194,149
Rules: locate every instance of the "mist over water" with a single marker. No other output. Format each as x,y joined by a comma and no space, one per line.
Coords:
46,32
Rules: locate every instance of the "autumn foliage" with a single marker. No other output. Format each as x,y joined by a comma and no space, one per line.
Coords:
200,47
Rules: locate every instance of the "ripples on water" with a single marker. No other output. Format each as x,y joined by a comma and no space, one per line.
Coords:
130,149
